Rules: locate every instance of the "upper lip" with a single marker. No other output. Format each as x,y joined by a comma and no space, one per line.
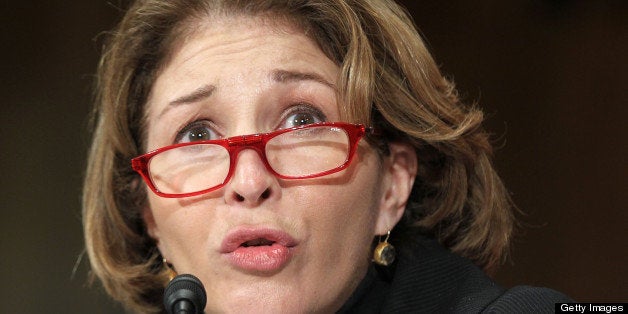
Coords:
239,236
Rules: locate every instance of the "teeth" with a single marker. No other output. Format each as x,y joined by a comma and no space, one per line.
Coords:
257,242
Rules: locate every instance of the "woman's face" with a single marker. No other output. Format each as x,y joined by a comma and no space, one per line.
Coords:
262,244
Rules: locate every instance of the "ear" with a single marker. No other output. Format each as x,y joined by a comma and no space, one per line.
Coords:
399,170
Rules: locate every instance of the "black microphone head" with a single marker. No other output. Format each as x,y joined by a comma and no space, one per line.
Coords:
185,294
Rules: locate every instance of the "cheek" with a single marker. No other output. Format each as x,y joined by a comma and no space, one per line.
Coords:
348,206
345,215
341,224
179,228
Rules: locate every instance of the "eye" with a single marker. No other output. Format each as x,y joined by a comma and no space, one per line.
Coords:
197,131
302,115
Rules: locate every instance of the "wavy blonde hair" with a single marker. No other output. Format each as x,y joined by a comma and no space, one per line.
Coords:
388,80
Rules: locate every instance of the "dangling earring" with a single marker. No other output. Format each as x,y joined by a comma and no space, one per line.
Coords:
170,270
384,253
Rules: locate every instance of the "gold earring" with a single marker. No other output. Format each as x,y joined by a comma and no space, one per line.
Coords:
170,270
384,253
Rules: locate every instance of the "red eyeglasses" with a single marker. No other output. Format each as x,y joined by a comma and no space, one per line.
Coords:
303,152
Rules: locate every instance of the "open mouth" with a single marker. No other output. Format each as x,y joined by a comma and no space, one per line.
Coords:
258,250
254,237
258,242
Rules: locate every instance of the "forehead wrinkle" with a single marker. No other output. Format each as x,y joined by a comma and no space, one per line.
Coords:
216,22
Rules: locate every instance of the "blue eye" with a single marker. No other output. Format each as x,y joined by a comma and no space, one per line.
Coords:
196,131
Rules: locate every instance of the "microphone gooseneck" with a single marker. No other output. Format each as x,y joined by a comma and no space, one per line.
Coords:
185,294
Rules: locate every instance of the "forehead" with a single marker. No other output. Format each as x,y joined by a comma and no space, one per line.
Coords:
228,44
222,35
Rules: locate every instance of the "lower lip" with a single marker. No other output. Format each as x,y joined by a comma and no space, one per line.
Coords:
266,258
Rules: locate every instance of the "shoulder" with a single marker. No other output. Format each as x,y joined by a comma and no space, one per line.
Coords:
429,278
526,299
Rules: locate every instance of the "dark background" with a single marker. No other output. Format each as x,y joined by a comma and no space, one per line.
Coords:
551,76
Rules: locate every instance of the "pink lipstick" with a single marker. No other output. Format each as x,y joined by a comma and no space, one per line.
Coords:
258,249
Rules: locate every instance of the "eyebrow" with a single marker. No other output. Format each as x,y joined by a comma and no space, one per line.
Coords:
197,95
285,76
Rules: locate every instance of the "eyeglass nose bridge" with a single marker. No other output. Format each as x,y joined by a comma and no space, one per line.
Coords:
246,140
237,144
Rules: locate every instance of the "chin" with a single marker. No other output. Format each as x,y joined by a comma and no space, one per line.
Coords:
260,303
266,297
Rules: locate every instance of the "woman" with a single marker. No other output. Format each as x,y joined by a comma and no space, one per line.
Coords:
278,150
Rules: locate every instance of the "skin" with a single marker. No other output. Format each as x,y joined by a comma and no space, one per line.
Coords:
333,219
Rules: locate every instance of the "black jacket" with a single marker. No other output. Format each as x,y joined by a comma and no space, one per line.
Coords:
427,278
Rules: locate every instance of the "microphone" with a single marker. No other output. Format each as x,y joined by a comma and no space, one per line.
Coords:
185,294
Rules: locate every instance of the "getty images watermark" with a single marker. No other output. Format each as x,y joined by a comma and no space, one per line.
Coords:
590,307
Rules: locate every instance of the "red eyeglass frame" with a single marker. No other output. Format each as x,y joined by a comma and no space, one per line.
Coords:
234,145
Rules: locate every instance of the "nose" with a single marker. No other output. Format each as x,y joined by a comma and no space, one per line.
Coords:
251,183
